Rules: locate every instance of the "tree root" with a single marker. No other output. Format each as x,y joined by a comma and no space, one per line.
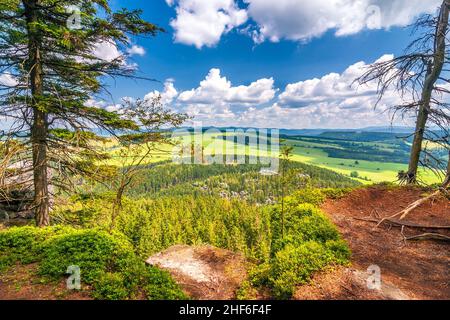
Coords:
403,224
399,223
410,207
429,236
403,213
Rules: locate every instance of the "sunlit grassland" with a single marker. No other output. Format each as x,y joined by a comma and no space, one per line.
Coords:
374,171
304,151
160,152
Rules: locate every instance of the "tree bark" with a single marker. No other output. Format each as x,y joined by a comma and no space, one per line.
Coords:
41,193
434,71
446,182
39,129
117,206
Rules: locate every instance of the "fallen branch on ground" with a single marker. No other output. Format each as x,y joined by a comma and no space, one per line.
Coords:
410,208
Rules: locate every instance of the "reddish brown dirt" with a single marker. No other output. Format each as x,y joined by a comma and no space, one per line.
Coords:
419,268
336,284
21,283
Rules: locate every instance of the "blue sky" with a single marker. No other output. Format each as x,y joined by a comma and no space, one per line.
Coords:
243,61
265,63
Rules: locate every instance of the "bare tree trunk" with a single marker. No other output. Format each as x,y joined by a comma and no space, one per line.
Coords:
39,130
416,148
443,189
434,71
446,182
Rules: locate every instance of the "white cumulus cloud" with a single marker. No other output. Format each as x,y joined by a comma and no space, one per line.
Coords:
331,101
335,100
331,88
215,89
109,51
202,23
106,50
136,50
167,95
301,20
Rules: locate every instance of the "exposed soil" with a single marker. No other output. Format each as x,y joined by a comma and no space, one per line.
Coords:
203,272
343,283
420,269
21,283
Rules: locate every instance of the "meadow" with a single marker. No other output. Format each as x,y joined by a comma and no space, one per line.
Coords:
371,160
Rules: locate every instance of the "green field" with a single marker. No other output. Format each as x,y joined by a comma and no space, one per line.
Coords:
373,170
308,150
313,153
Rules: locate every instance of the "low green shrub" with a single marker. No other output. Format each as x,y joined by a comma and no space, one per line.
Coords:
294,264
303,222
159,285
92,250
107,261
311,227
341,251
306,195
24,244
310,243
153,283
246,291
336,193
110,286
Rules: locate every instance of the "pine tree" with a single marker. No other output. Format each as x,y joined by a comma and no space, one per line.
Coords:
285,155
47,56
